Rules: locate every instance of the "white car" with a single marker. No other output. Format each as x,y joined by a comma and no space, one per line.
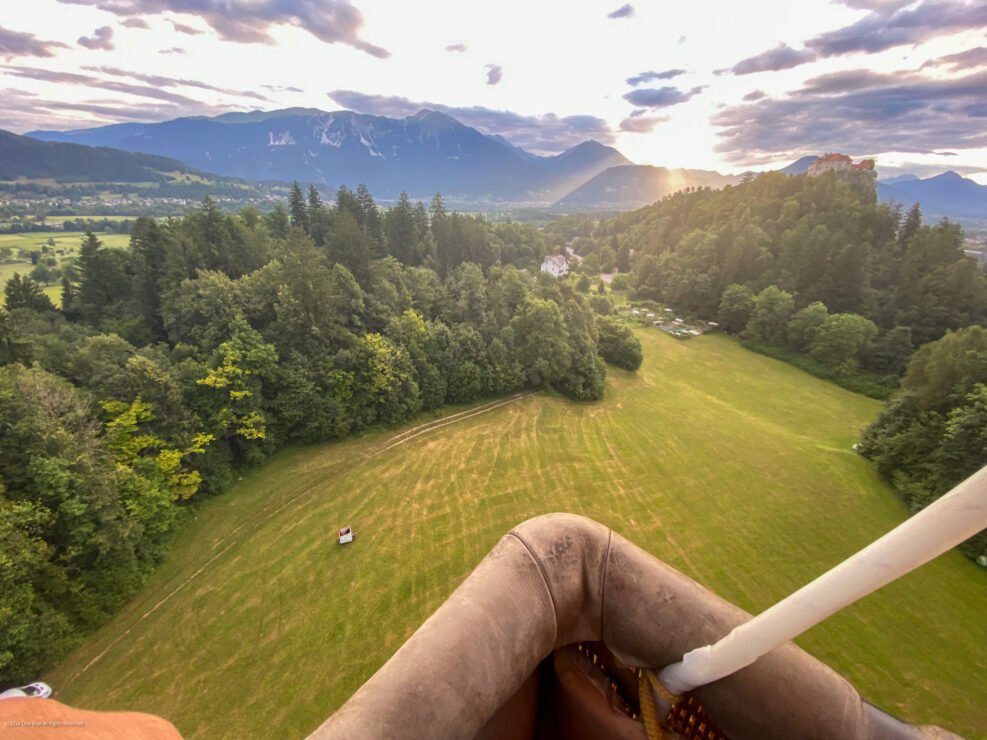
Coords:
38,690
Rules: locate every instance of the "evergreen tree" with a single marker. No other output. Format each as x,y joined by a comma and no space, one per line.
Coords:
445,253
318,217
278,222
349,246
346,200
87,268
424,245
148,244
314,199
23,292
298,208
370,220
913,222
68,297
400,232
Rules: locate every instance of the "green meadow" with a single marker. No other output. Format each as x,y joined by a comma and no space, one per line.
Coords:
68,241
733,467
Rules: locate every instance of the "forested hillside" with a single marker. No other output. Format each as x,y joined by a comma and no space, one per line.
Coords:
23,157
216,339
820,239
813,270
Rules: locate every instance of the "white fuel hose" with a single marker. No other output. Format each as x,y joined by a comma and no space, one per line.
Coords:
958,515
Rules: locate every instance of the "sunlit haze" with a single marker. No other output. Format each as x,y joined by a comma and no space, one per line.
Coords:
719,84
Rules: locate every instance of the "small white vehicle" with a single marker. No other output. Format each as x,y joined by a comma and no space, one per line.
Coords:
38,690
346,535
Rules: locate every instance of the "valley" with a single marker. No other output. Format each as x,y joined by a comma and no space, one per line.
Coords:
734,468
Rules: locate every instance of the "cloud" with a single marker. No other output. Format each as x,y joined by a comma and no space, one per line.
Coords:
101,84
250,21
875,4
637,124
545,134
135,23
781,57
456,47
102,39
162,81
880,30
755,95
494,74
861,111
661,97
642,77
17,44
969,59
624,11
282,88
26,111
173,50
889,23
187,30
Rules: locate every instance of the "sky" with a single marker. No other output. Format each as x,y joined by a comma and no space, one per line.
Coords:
708,84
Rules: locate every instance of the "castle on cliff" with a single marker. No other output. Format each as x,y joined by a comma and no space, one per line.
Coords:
839,163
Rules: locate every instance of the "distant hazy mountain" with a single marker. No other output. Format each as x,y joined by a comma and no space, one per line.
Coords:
67,168
423,154
23,157
632,186
799,166
948,194
908,177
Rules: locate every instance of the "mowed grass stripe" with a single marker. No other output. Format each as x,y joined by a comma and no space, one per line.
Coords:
733,467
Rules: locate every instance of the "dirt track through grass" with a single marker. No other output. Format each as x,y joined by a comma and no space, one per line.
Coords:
732,467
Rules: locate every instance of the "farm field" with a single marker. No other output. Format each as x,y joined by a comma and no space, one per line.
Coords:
731,466
65,240
63,219
9,269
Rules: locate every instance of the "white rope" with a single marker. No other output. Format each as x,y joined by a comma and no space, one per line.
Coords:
958,515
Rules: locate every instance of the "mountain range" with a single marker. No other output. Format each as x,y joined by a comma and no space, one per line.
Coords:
422,154
948,194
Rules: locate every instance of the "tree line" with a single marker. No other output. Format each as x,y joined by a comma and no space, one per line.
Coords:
217,338
933,434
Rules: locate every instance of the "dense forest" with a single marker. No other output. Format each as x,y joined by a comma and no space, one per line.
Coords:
814,271
214,340
821,239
